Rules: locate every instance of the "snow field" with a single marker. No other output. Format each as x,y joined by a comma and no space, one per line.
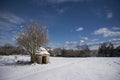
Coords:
61,68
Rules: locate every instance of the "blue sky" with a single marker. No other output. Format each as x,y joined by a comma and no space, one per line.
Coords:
69,22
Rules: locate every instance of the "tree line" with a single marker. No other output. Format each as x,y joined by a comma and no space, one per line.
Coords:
9,49
84,52
108,50
105,50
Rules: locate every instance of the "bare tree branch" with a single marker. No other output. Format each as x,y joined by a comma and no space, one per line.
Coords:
33,37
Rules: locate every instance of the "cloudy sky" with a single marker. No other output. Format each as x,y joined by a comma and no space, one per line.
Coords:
68,22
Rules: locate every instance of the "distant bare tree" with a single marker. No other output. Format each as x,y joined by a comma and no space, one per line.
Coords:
31,38
107,50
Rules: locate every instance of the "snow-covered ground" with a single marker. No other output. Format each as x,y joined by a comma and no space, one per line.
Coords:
60,68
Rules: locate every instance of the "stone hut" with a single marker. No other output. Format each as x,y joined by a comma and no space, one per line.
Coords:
42,56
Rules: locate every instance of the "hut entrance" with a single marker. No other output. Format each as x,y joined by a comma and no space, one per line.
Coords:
44,58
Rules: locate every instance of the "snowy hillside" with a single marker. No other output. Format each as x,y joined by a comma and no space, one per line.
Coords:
60,69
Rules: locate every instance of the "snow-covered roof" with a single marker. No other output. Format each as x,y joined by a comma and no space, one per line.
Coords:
41,50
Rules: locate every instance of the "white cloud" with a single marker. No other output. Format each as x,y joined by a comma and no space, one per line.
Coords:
104,13
93,43
109,15
115,40
54,45
94,40
10,18
115,28
6,25
70,45
81,42
73,44
8,22
106,32
85,38
80,29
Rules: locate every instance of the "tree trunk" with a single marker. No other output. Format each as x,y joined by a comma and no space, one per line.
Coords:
33,58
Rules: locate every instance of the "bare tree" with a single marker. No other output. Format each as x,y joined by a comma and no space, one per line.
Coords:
31,38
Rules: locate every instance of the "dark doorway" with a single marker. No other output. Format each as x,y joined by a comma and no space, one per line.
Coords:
44,59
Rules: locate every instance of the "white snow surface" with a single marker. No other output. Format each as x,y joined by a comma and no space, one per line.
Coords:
60,68
41,50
